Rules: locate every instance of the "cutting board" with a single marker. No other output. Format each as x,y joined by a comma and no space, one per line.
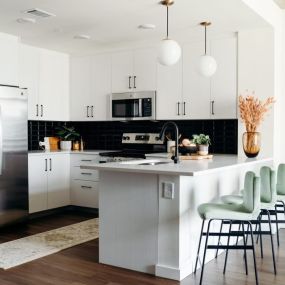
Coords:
195,157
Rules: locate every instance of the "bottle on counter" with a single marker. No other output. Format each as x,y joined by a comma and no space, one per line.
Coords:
81,144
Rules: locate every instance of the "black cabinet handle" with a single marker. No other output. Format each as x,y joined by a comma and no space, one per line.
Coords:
87,108
178,108
50,165
135,82
42,110
130,82
213,112
92,109
184,108
85,160
86,187
86,173
45,164
37,110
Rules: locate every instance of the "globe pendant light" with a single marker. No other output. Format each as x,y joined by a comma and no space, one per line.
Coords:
169,51
207,64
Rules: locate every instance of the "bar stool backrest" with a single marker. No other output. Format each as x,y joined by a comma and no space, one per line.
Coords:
267,185
280,187
251,197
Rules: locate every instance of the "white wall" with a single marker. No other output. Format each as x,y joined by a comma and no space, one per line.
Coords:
276,17
256,73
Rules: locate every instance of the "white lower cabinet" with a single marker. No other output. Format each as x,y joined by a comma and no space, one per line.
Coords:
84,182
49,181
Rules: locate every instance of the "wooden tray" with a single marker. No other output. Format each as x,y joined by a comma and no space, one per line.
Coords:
195,157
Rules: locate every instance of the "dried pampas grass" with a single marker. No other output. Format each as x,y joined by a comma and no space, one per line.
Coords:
253,110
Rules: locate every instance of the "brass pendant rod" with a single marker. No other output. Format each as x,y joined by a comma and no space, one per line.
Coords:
167,21
205,39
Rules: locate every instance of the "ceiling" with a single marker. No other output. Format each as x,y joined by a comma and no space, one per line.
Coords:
113,23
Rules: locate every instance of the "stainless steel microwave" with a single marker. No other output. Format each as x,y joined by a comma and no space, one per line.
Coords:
133,106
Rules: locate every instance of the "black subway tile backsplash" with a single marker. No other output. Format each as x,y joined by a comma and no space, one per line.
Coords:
108,135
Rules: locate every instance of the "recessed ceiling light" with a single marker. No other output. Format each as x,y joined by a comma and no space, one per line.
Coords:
146,26
26,20
82,37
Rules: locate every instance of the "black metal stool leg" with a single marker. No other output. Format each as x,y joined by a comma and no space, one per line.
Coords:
198,251
227,250
261,243
277,226
245,255
219,239
253,252
272,244
205,250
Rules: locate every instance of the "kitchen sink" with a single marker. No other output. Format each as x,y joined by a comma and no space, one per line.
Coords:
154,163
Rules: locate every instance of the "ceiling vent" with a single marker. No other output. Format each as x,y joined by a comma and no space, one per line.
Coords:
39,13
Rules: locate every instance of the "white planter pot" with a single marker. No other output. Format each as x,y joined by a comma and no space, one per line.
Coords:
203,149
65,145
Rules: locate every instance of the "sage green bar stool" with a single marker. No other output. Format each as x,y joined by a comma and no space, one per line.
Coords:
242,213
268,198
280,188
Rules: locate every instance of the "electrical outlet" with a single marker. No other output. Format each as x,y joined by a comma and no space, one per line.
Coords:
168,190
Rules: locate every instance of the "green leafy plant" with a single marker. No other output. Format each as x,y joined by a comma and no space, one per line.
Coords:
67,133
201,139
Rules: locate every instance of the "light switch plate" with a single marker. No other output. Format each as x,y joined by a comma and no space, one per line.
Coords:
168,190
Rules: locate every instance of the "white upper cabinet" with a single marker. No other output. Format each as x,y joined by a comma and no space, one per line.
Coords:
90,87
196,88
145,70
9,60
80,88
29,77
100,86
54,86
46,75
134,71
224,81
169,92
122,72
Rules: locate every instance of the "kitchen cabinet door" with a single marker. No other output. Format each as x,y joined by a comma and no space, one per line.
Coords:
38,183
100,87
224,81
9,60
169,92
58,180
54,86
80,88
196,88
29,78
122,72
145,70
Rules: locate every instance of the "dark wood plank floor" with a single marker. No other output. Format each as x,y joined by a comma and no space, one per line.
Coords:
79,265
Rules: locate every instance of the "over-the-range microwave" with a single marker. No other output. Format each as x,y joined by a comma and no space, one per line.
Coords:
133,106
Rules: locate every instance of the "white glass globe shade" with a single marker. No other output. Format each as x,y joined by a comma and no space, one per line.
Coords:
207,65
169,52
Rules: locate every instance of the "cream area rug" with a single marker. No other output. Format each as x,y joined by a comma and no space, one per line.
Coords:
26,249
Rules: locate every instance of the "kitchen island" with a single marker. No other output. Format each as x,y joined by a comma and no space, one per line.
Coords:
148,209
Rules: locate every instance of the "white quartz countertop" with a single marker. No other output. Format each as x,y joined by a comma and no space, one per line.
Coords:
41,152
184,168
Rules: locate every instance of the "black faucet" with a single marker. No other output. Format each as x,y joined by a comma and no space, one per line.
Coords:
161,136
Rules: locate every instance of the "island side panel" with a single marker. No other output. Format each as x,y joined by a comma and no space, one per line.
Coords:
128,211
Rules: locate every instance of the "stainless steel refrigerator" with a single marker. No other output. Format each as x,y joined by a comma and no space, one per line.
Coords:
13,155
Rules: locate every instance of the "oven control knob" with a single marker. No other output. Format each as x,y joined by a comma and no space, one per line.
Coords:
126,138
157,138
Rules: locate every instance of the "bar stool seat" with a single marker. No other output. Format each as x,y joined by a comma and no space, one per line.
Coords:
240,213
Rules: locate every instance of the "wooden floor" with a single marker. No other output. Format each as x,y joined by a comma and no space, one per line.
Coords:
79,265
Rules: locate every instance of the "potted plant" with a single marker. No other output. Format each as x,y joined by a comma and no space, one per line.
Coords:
203,142
66,135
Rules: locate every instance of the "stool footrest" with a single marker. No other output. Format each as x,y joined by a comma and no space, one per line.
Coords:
237,247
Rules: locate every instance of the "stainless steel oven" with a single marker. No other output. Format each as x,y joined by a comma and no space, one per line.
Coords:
133,106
